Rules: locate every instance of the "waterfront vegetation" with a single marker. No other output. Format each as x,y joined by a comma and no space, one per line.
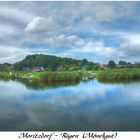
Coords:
123,74
43,76
61,76
119,74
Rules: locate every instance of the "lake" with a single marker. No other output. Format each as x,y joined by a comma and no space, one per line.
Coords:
84,106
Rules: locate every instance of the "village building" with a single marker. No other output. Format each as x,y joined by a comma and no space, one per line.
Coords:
35,69
26,69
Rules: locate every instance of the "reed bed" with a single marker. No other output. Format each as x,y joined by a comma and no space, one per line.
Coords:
120,74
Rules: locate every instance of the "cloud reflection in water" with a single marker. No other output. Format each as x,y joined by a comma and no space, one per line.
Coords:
87,106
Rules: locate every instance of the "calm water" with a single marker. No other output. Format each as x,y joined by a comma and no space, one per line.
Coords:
81,106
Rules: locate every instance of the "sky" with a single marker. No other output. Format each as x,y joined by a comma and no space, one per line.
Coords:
97,31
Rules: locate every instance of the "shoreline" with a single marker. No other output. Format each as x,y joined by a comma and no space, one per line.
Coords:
110,75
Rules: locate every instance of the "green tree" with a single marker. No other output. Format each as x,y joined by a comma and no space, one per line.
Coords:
111,64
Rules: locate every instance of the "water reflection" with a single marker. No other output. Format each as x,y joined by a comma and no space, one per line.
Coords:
86,106
117,81
35,84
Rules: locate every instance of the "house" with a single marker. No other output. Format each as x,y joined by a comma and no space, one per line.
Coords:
26,69
72,68
59,68
37,69
120,66
83,67
33,69
8,66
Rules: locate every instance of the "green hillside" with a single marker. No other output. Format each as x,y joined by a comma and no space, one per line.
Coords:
50,62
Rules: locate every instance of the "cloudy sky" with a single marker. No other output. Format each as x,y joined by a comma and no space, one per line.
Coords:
97,31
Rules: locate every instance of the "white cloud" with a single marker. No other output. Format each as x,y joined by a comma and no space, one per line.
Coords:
40,24
132,38
87,46
63,40
12,54
131,45
96,48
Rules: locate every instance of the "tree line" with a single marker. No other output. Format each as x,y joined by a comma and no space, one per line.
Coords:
54,63
123,64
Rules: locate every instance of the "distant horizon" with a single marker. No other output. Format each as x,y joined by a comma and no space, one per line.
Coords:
96,31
